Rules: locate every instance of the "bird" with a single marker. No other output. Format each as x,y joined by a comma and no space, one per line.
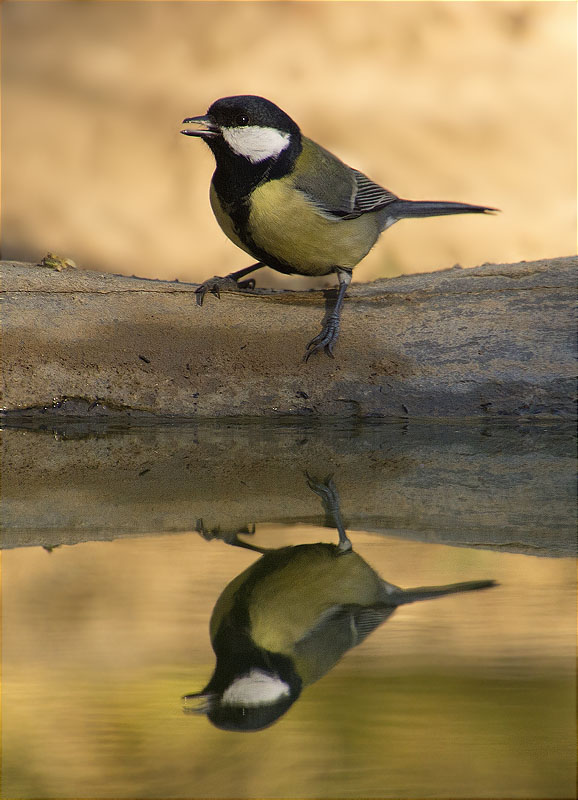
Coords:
292,205
287,620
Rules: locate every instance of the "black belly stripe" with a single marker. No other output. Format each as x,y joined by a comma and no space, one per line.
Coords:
235,179
239,212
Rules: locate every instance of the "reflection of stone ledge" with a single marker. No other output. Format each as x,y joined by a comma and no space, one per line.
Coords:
494,340
493,485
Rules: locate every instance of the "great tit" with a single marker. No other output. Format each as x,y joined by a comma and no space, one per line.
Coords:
293,205
285,621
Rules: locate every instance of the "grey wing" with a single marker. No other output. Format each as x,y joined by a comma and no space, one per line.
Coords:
345,193
369,196
366,620
338,630
359,197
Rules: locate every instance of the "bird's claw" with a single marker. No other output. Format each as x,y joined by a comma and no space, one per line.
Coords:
324,340
217,284
323,487
214,285
229,536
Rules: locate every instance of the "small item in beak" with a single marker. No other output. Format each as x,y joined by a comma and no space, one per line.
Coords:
209,130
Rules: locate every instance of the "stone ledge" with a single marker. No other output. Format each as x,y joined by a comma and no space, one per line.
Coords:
493,341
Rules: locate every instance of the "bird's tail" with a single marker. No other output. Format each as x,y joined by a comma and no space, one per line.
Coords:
400,209
429,592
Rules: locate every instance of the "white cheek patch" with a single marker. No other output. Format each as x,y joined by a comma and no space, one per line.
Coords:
255,689
256,143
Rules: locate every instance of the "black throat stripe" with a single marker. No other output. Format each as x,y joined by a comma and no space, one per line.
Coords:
234,181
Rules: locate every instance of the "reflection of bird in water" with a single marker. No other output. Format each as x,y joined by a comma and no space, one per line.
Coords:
288,619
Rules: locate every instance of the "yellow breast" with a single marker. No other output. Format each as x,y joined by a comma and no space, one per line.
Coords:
289,602
286,225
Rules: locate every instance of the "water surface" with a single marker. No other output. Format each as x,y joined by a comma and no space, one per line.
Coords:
468,695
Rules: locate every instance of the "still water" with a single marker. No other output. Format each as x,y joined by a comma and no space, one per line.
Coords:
121,545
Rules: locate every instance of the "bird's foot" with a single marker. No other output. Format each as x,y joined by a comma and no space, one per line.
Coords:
324,487
227,535
326,339
327,490
217,284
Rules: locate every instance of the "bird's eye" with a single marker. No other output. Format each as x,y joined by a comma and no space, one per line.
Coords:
242,119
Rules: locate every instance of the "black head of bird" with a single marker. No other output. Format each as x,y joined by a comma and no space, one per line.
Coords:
250,688
293,205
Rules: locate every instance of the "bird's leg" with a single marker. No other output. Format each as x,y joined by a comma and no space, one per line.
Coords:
236,542
330,330
229,282
327,491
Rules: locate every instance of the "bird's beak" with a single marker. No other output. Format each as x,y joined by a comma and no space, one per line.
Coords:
209,130
198,702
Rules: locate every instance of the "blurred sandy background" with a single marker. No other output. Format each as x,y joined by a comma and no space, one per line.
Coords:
470,101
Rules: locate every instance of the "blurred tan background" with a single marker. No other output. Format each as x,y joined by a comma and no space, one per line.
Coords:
468,101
